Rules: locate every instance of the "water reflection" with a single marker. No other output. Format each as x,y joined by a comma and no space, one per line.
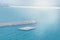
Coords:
47,21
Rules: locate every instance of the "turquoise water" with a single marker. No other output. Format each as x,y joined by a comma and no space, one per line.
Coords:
47,27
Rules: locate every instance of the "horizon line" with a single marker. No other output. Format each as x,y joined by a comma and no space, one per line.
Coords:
48,7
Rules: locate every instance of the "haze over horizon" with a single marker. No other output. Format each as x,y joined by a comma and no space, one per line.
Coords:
31,2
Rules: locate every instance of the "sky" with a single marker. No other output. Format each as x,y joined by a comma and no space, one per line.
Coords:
31,2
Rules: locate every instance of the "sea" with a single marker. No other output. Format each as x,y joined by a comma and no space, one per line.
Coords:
46,28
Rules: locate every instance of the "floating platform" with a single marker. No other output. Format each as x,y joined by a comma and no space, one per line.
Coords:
26,28
19,23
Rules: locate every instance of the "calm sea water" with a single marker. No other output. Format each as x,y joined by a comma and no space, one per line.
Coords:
47,27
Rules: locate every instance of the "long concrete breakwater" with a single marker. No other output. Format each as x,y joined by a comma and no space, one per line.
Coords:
18,23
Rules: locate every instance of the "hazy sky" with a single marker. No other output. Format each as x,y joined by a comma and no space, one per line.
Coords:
31,2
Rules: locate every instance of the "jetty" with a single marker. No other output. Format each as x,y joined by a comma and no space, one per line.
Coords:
18,23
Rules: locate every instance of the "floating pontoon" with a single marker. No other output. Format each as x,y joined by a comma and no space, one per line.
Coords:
26,28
